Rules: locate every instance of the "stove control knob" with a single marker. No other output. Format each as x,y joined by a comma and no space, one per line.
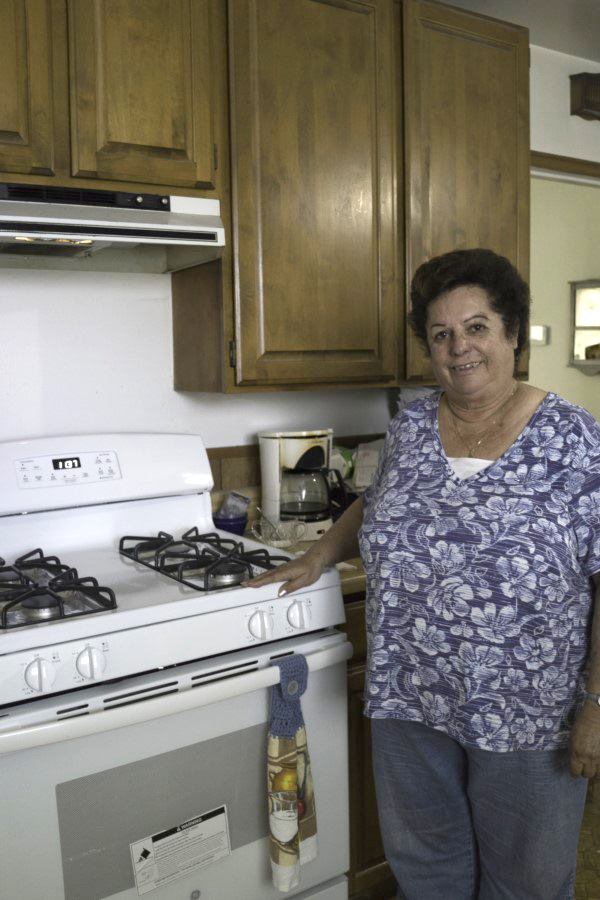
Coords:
91,663
40,675
298,615
260,625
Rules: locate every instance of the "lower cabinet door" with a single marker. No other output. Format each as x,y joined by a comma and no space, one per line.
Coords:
370,877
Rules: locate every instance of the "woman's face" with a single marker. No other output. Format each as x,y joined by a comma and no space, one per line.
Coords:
470,352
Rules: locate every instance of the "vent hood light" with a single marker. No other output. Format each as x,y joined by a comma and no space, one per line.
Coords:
32,238
84,222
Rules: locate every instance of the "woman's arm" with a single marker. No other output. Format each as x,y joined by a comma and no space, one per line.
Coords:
337,544
585,735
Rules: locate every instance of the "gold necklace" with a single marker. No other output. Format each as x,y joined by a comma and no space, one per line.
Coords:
472,447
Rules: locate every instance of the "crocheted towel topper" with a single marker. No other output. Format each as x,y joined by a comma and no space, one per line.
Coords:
286,712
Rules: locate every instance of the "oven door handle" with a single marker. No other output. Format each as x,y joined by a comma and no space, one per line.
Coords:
158,707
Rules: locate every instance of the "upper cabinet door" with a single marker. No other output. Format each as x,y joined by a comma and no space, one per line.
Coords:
26,97
141,91
313,161
466,111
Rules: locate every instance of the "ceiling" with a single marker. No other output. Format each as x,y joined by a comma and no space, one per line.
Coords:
569,26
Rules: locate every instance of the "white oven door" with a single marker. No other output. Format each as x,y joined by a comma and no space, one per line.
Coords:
82,799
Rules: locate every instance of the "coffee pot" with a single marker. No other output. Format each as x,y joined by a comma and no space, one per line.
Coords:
294,478
304,495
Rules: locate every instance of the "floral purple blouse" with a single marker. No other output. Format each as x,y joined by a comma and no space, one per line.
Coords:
479,592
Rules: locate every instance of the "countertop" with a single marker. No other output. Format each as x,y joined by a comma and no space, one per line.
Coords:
352,576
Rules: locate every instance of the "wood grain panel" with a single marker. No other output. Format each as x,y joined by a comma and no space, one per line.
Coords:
197,327
369,874
26,98
240,471
466,138
569,165
13,72
312,88
142,92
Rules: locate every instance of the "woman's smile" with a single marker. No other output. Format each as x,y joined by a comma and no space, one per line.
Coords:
468,367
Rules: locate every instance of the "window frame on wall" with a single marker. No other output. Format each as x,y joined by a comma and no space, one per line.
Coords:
589,366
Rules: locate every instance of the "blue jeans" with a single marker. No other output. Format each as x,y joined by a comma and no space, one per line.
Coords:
465,824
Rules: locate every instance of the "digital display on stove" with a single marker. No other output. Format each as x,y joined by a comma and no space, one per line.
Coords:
67,462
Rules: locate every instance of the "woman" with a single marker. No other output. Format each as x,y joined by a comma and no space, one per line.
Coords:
480,539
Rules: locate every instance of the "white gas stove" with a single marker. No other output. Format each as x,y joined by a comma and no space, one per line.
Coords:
135,671
113,566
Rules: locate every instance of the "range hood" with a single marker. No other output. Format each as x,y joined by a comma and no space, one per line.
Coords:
41,225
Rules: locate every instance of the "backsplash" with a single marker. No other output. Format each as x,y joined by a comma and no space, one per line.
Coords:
92,352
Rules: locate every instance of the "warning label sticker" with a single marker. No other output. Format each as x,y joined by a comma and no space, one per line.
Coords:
163,857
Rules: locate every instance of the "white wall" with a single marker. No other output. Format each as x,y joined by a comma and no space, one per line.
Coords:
90,352
553,128
565,229
570,26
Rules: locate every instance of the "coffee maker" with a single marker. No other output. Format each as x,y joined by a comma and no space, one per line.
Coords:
294,469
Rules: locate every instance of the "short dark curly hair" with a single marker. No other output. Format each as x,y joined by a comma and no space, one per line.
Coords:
508,292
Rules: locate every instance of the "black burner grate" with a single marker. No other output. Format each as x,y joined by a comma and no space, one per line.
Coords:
205,562
40,588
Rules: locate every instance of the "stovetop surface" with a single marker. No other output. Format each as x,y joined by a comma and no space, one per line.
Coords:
144,596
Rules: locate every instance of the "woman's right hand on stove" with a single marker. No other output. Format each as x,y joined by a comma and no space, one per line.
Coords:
295,574
337,544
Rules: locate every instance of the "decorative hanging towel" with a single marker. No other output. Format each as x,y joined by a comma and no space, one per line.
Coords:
292,815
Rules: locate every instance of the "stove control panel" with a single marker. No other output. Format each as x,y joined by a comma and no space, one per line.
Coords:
40,675
58,471
299,614
91,663
260,625
92,659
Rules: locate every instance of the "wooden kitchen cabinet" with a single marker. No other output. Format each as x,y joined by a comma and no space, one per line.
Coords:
141,91
313,118
466,127
118,94
29,70
318,105
369,877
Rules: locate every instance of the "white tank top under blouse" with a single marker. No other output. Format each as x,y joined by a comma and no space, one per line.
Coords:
465,466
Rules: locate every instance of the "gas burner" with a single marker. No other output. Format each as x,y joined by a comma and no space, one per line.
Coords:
212,539
178,552
205,569
28,599
40,568
161,552
144,549
262,558
11,581
229,572
39,606
205,562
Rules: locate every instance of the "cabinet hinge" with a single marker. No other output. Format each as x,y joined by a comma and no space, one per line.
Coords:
232,354
215,157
